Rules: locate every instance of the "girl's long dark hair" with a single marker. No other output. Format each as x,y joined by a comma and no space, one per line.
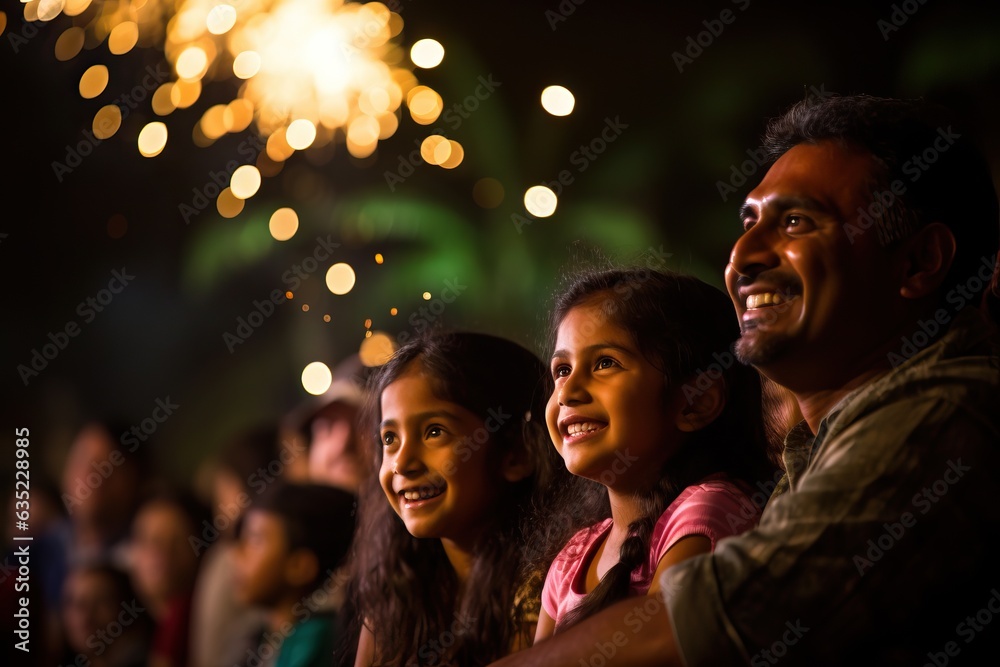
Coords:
407,593
686,328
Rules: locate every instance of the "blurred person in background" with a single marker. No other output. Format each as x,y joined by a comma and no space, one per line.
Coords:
104,624
163,567
247,465
329,425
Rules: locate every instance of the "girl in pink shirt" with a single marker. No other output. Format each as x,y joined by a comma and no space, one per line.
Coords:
651,406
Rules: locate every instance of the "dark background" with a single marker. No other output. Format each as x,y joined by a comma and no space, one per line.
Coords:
657,184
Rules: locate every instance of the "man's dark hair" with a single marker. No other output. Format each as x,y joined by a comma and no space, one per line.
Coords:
918,146
316,517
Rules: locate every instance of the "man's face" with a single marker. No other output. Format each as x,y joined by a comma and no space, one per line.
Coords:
817,301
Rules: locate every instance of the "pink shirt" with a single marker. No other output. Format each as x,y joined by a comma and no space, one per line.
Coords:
715,508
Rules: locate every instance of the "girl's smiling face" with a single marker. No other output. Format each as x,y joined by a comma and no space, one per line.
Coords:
435,469
607,415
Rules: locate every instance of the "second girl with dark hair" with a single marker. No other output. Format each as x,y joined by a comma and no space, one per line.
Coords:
673,439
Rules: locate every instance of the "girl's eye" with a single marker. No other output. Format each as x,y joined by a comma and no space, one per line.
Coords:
604,362
560,371
388,438
434,432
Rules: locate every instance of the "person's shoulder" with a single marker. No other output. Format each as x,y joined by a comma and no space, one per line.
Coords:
713,490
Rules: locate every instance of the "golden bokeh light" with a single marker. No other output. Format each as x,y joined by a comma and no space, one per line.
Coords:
75,7
427,53
429,148
70,43
185,93
340,278
316,378
393,311
152,139
237,116
283,224
46,10
379,258
107,121
455,155
93,82
123,37
376,348
426,296
228,205
540,201
308,72
245,181
558,101
246,64
213,123
192,63
162,102
300,134
277,148
425,105
220,19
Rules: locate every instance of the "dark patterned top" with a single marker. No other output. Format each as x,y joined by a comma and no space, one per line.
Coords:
874,547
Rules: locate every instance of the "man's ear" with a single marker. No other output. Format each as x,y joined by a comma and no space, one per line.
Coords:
697,409
301,568
927,258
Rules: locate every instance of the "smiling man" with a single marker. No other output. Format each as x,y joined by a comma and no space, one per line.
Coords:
865,283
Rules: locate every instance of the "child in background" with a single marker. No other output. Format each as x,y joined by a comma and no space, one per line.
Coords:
221,627
458,441
292,539
650,403
103,622
163,567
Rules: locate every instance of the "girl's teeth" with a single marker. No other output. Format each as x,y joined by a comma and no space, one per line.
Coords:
764,299
421,494
582,427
